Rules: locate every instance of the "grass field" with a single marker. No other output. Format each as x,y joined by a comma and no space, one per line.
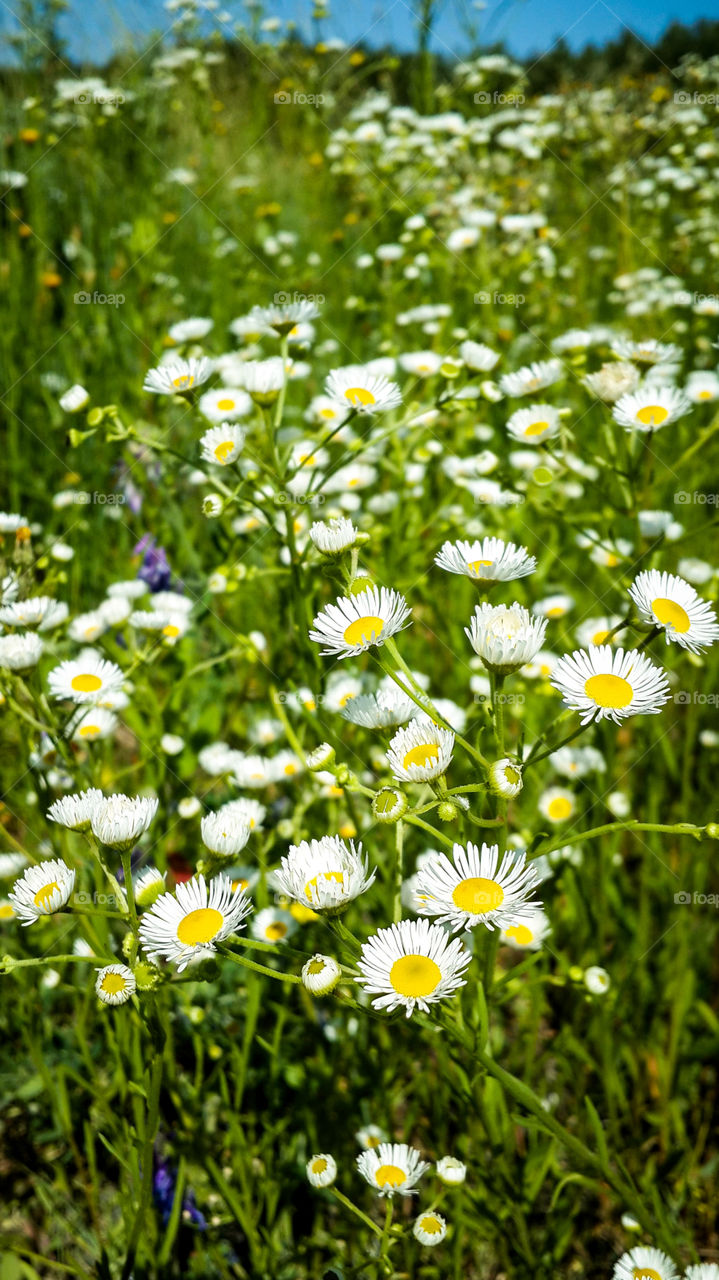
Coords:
281,326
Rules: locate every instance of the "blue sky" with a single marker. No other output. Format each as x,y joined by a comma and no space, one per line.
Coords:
93,27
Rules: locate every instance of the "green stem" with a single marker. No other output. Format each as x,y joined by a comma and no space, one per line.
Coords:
151,1126
258,968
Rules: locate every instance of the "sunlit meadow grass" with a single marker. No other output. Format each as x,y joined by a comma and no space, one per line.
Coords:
174,1118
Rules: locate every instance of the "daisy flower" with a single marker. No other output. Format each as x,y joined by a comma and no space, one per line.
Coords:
245,810
93,725
450,1171
430,1229
422,364
505,777
596,980
648,352
477,357
531,378
504,636
578,762
273,924
702,387
148,886
334,537
529,933
222,445
263,379
118,820
486,560
356,389
320,975
644,1263
387,707
421,751
85,679
702,1271
115,984
392,1168
192,330
596,630
38,611
75,812
475,888
283,317
370,1136
178,376
353,623
225,832
20,652
324,874
412,964
225,404
669,602
42,890
553,606
612,381
605,683
321,1170
650,409
187,924
557,804
534,425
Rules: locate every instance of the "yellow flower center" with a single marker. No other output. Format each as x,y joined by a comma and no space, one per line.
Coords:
670,614
390,1175
520,933
223,451
276,931
652,415
557,611
559,809
424,754
319,1165
200,926
329,414
89,730
645,1273
415,976
225,404
511,775
112,983
6,911
86,683
705,395
337,876
478,895
536,428
171,631
431,1225
599,637
364,630
609,691
183,382
359,395
475,565
43,896
316,966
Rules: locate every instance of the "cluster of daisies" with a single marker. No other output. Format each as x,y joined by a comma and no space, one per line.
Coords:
646,1263
394,1169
